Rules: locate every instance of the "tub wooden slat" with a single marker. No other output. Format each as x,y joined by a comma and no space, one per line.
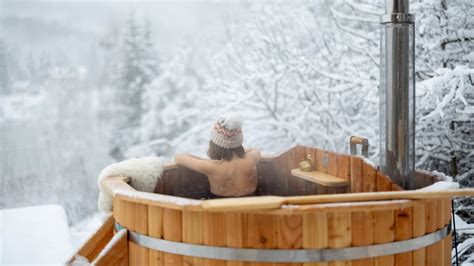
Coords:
98,240
191,184
318,157
362,233
432,252
327,162
261,231
419,228
214,234
297,186
314,189
265,176
446,211
441,223
396,187
344,168
384,232
163,186
172,223
193,233
404,231
332,170
315,233
117,253
281,173
357,184
155,229
442,211
137,221
120,211
448,241
290,232
332,163
383,183
423,179
339,233
235,226
370,175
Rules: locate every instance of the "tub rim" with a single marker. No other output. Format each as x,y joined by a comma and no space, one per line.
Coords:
121,190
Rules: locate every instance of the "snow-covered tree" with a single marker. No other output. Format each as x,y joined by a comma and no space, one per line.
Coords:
172,105
5,82
137,68
445,121
445,42
444,35
297,78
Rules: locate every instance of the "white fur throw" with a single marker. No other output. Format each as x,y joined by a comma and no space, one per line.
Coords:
143,173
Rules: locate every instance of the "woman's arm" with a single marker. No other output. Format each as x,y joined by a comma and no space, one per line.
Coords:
194,163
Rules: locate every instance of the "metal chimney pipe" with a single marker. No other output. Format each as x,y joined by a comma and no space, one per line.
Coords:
397,98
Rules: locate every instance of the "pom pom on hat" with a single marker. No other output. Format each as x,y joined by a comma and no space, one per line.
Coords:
227,131
231,121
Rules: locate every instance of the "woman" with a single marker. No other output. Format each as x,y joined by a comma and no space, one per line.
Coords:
231,170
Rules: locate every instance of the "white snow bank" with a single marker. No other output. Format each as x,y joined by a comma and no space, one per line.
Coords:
462,227
34,235
462,248
79,261
441,185
442,176
84,229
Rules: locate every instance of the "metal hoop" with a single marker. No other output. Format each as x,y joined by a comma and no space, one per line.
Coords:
286,255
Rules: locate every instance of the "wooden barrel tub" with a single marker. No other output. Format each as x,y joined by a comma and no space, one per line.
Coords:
163,226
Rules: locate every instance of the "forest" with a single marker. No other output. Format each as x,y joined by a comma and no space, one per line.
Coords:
78,94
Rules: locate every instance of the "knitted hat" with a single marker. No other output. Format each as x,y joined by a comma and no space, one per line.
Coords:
227,131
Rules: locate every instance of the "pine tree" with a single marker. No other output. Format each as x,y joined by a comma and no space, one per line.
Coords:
137,68
5,84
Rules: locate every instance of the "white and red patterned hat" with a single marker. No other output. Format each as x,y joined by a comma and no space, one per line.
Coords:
227,131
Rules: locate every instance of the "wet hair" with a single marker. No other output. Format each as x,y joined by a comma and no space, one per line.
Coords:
216,152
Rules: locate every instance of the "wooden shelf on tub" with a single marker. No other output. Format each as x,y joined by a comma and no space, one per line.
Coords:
320,178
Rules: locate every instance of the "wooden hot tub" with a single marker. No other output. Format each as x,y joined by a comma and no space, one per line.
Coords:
350,229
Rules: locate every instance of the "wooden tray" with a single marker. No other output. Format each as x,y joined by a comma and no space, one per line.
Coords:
320,178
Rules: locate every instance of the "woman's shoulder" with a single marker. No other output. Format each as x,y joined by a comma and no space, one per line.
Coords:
253,153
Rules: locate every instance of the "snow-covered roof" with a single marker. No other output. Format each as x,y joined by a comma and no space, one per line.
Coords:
34,235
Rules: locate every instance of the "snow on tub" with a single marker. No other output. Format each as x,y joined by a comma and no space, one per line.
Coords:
34,235
345,210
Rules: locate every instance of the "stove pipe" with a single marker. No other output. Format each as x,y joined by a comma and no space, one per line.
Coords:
397,93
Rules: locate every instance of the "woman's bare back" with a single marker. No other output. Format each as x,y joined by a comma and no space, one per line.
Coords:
237,177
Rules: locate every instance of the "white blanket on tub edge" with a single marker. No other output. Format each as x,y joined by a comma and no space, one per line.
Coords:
143,173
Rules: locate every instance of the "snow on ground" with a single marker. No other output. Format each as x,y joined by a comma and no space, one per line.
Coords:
35,235
441,185
81,231
462,227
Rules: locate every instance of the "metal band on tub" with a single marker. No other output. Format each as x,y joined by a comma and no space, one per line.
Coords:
286,255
